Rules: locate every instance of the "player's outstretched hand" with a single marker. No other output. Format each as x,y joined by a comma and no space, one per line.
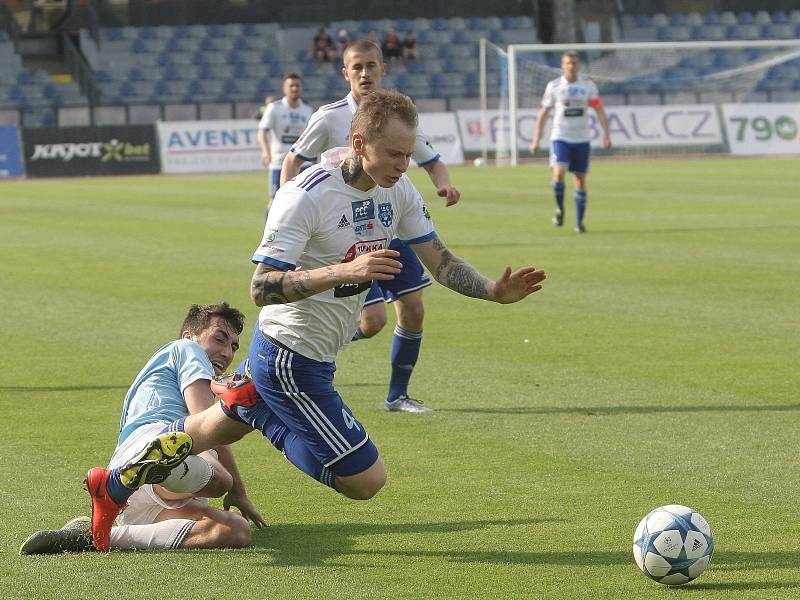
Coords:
451,194
380,264
245,506
512,287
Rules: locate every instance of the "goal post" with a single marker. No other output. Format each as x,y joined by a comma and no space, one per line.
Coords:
635,76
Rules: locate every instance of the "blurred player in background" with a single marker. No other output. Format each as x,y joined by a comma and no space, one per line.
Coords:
314,268
280,126
329,127
570,95
173,384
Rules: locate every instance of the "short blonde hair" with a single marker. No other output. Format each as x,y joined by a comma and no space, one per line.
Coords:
362,46
375,111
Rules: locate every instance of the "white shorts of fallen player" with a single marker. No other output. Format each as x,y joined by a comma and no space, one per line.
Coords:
145,504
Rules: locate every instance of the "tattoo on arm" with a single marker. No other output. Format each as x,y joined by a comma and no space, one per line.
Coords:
279,287
458,275
267,288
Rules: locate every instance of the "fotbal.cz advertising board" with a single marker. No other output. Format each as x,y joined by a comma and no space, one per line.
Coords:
209,146
10,155
756,128
80,151
442,132
630,126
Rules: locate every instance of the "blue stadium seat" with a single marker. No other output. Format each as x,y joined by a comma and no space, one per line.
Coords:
677,20
745,18
712,18
777,31
779,17
439,24
147,33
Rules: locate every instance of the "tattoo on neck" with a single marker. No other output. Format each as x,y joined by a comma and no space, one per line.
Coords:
351,169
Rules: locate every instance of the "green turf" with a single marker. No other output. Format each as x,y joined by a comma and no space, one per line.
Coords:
659,365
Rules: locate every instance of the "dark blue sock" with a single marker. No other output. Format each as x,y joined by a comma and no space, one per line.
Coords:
116,490
558,189
580,207
405,351
300,456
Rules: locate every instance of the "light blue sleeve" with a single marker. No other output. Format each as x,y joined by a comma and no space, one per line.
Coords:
191,363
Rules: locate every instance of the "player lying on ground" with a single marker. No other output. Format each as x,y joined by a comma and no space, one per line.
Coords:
173,384
157,519
312,275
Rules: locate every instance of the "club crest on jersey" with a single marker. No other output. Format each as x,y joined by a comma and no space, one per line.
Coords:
385,213
363,210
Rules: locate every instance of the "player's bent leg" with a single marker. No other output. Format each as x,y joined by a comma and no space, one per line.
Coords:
373,319
201,475
213,528
364,485
213,427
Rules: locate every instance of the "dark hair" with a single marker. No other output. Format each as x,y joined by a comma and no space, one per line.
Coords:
570,54
375,110
292,75
199,317
362,46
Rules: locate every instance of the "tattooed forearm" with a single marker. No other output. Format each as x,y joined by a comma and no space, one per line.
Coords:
458,275
267,288
278,287
351,169
299,283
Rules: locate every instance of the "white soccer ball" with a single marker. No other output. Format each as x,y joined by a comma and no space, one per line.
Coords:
479,162
673,544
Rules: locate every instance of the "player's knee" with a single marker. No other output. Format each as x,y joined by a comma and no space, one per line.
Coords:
373,319
232,531
365,485
411,312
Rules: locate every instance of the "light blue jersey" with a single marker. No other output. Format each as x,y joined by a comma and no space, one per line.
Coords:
156,394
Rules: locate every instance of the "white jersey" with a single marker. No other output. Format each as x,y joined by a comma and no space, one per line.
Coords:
316,220
283,125
329,127
571,102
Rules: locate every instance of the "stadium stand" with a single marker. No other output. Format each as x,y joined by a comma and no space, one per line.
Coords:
238,64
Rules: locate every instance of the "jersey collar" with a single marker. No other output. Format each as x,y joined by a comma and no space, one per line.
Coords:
351,102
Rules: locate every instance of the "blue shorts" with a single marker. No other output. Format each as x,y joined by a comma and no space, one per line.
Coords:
297,395
412,278
575,156
274,181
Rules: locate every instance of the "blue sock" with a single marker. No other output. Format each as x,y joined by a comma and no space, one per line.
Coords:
558,189
117,490
580,207
405,351
300,456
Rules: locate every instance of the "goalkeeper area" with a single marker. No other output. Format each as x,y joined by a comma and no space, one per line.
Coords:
657,365
662,98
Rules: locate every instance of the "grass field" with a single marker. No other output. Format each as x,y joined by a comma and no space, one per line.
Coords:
659,365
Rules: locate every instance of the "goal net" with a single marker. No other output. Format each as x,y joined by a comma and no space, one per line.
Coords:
660,97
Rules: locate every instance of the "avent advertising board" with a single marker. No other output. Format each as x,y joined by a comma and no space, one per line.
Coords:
209,146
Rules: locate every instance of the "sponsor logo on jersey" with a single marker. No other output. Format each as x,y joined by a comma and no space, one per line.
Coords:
351,289
425,212
270,235
343,222
363,210
385,213
364,247
367,227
